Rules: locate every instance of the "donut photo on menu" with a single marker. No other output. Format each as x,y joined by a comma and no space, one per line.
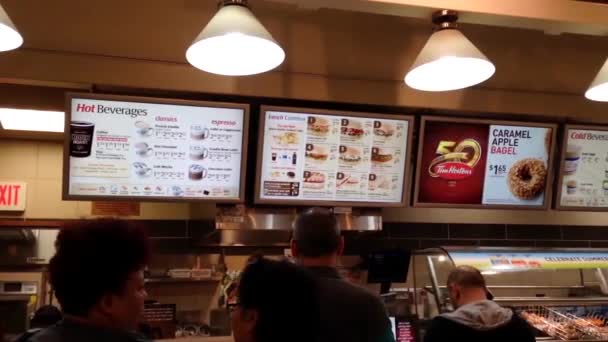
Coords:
318,126
350,155
527,178
352,128
314,180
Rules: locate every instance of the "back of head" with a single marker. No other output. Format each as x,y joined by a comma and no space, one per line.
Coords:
316,233
466,277
285,298
95,258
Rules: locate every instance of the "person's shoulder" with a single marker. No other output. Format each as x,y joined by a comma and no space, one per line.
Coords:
49,334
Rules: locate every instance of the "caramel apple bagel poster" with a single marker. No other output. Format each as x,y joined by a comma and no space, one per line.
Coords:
473,163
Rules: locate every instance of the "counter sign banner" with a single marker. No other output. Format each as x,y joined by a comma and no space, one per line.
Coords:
12,196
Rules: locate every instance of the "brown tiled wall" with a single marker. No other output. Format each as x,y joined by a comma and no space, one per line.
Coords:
416,235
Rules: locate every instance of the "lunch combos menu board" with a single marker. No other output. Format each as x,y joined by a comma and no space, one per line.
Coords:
472,163
125,147
583,180
323,156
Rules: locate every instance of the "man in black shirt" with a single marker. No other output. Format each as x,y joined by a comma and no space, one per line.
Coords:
349,313
476,318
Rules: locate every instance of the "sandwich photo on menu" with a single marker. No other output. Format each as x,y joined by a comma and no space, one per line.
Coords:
314,180
350,155
316,153
352,128
381,155
383,130
318,126
346,181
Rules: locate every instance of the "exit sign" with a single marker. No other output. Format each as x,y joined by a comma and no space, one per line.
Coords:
12,196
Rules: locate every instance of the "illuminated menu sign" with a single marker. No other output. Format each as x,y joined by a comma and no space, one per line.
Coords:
494,164
153,149
583,178
332,157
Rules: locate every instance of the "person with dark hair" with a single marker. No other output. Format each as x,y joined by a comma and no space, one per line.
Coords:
476,317
276,302
349,313
98,279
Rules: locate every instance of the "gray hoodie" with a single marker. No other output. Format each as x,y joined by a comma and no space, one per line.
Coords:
483,315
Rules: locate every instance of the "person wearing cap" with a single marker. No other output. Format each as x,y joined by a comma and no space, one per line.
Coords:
348,313
476,317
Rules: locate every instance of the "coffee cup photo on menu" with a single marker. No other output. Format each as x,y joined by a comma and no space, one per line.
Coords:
197,172
143,129
81,138
198,152
198,132
141,169
142,149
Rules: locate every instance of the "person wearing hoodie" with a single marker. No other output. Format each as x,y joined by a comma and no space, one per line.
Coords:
476,317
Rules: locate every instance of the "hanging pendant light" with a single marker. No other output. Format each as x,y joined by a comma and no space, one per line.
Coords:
235,43
448,61
10,39
598,90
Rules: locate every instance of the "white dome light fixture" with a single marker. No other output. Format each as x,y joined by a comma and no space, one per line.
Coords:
598,90
10,38
235,43
448,61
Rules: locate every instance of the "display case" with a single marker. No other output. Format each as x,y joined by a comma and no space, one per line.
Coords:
562,293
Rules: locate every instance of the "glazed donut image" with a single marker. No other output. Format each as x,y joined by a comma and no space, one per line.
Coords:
527,178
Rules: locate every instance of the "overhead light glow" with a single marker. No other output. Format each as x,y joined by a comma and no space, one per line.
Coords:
31,120
10,38
235,43
448,61
598,90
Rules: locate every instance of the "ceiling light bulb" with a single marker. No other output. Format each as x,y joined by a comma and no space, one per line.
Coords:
235,43
10,39
448,60
31,120
598,90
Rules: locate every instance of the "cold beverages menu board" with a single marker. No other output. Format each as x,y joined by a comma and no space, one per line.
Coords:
310,156
583,181
466,163
145,148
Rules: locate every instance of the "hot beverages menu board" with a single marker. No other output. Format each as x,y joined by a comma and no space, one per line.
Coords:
335,158
153,149
583,178
474,163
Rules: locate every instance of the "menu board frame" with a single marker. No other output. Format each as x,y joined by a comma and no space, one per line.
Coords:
407,172
152,100
562,158
550,163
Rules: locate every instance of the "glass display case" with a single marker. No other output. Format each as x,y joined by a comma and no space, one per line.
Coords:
562,293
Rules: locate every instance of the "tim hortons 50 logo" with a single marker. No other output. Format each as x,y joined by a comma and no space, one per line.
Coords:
455,161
